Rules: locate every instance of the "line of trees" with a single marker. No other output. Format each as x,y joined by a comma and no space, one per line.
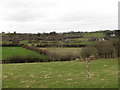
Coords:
103,49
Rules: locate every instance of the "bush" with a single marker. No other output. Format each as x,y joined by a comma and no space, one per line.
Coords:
33,48
26,59
105,49
89,51
116,44
11,45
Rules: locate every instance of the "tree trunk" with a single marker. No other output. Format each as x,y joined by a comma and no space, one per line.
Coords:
87,69
118,54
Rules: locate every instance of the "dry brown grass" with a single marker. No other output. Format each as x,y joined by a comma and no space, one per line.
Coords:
64,53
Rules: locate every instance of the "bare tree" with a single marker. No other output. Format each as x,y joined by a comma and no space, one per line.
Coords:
105,49
116,44
87,52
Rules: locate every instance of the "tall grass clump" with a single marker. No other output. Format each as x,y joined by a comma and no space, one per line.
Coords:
58,54
64,54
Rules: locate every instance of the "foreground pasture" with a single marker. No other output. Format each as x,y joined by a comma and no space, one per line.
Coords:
69,74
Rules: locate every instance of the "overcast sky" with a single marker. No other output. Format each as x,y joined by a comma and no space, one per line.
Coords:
35,16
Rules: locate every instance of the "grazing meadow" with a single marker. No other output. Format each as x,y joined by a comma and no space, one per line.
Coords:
69,74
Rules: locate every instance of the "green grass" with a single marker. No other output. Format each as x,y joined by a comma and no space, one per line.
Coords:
81,43
24,42
8,52
87,35
80,39
70,74
6,42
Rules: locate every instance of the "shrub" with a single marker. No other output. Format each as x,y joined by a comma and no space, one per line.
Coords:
105,49
89,51
116,44
11,45
26,59
33,48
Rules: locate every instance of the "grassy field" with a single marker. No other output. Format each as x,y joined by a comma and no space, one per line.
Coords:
79,42
80,39
17,51
69,74
87,35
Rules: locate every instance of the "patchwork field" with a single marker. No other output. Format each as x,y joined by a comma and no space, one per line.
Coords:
96,34
69,74
8,52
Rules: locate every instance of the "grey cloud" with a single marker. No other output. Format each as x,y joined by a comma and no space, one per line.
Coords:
88,17
29,15
24,16
15,3
25,10
27,3
77,17
73,18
